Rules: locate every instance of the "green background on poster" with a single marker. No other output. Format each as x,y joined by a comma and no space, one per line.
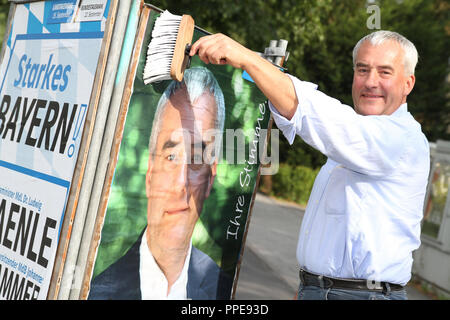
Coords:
126,216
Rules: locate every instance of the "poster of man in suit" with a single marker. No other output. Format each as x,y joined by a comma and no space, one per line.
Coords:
183,185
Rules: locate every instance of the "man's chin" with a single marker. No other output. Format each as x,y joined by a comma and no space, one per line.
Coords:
175,240
372,108
178,249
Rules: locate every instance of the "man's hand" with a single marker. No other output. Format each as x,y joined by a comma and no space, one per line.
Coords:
220,49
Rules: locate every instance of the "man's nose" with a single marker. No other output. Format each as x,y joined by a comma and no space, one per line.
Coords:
372,79
180,177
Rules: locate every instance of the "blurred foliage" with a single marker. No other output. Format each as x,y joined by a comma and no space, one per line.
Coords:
4,10
294,183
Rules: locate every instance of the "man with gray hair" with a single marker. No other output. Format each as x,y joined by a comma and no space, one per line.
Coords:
362,222
182,164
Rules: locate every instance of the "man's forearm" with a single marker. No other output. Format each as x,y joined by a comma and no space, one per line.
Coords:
276,85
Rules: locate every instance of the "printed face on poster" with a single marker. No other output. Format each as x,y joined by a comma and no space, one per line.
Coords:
46,83
183,185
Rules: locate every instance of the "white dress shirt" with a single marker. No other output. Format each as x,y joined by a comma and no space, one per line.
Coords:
153,281
363,216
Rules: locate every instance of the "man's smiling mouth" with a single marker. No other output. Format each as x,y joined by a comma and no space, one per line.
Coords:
371,96
177,210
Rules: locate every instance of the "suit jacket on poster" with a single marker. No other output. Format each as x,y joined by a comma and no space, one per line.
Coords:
121,281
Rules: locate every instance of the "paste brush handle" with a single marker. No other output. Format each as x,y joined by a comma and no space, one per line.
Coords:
187,53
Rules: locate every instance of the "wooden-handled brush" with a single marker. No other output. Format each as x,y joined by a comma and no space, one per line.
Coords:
167,54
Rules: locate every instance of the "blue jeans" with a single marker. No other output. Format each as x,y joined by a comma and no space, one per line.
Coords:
318,293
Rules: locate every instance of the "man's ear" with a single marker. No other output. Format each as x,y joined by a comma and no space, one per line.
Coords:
148,175
211,178
409,85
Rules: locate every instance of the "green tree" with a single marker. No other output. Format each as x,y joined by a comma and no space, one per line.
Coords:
255,22
4,9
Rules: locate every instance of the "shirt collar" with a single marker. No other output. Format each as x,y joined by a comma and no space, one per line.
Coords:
152,279
403,109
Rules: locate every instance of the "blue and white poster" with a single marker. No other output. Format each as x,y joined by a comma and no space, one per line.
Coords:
46,80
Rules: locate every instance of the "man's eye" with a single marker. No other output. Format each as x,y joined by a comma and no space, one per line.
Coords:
171,157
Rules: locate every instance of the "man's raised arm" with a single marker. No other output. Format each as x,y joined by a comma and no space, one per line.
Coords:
276,86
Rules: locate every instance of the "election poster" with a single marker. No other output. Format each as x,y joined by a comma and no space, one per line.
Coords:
46,81
182,183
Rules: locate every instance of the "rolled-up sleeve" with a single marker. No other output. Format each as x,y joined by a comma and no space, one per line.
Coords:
367,144
291,127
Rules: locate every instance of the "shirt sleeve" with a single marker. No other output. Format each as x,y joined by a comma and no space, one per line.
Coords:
370,145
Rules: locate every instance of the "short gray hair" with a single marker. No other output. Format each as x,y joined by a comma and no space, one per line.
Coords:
196,81
410,57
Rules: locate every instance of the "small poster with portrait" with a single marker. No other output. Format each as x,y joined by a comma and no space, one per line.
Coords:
181,182
47,79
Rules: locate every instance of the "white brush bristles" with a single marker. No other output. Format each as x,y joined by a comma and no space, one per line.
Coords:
161,47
